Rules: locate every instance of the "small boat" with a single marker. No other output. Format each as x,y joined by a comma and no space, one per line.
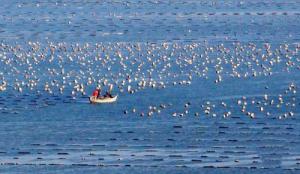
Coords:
103,99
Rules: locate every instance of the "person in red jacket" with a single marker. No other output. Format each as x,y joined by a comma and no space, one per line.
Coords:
97,92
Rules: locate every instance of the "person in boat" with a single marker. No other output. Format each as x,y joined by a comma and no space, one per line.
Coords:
97,92
108,93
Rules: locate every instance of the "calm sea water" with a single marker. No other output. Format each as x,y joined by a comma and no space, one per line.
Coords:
45,132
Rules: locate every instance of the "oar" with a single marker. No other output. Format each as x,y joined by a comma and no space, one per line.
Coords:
110,88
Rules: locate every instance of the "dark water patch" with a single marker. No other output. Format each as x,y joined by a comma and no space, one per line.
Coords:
10,164
235,117
240,152
23,153
51,144
233,140
210,151
158,159
209,167
147,146
35,144
62,153
149,155
98,145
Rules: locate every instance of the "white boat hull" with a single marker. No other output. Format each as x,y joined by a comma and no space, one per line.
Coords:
103,100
